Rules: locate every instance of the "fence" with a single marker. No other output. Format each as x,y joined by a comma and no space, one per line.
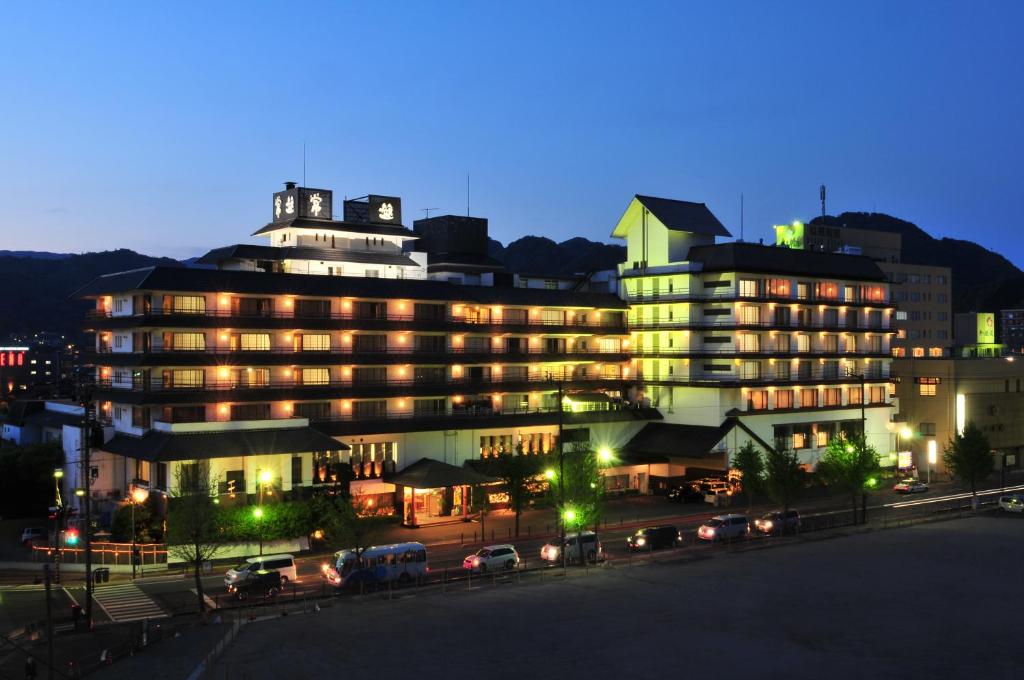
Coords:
104,553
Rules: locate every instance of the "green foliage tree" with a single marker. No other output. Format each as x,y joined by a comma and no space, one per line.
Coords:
148,523
347,524
27,486
516,471
584,489
784,479
749,461
194,535
968,456
851,465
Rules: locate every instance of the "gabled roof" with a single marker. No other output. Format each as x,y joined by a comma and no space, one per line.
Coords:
167,446
669,440
246,251
427,473
182,279
336,225
684,215
760,259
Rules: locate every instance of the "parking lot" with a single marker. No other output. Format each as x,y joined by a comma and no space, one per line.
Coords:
933,600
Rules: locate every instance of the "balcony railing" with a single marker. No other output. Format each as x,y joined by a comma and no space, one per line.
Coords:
777,376
468,383
607,320
730,322
425,354
730,295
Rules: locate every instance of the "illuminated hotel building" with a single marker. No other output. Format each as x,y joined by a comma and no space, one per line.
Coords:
340,351
787,344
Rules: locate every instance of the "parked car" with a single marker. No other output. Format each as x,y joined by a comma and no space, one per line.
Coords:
592,549
687,493
716,490
1013,503
910,486
30,535
492,558
257,583
724,528
653,538
283,564
774,522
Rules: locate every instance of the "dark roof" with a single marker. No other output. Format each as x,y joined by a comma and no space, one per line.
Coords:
336,225
166,446
756,258
245,251
669,440
464,262
684,215
47,418
265,283
427,473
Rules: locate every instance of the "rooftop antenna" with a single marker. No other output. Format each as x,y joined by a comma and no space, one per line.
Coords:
426,212
821,191
467,194
303,164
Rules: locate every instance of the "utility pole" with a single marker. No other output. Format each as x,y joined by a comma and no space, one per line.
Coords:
49,621
559,383
87,498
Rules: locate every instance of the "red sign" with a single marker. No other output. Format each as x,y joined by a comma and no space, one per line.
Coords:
12,358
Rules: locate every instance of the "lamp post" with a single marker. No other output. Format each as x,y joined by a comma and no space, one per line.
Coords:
265,477
905,434
138,497
560,383
58,514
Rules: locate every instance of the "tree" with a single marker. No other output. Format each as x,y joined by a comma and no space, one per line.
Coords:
517,471
27,486
346,523
968,456
193,532
584,489
783,479
850,464
750,463
148,522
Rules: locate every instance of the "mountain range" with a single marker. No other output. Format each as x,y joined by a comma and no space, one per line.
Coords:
35,285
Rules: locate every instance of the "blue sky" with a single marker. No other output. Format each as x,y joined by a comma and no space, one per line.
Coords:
166,128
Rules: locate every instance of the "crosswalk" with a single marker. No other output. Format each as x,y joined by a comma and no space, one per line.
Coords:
126,602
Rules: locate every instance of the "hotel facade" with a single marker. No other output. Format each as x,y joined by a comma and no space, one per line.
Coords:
362,352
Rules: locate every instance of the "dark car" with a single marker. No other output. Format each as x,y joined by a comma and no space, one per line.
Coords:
653,538
688,493
774,522
262,583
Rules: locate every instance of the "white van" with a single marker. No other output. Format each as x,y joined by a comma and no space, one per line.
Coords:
283,564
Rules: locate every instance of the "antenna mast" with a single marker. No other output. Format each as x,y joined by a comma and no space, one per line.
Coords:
467,194
821,191
303,164
741,216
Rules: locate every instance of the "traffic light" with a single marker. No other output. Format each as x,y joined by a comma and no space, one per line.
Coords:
71,537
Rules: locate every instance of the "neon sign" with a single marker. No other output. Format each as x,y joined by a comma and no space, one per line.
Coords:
12,356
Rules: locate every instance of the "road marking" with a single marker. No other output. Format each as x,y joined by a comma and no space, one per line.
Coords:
952,497
210,602
126,602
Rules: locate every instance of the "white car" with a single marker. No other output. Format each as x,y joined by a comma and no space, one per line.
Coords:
30,535
492,558
724,528
592,549
1014,503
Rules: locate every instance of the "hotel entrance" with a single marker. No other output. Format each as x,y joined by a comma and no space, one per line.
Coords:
432,492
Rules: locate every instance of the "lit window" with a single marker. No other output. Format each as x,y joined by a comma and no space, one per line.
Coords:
935,352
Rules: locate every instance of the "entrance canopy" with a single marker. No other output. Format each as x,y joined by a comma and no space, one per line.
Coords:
427,473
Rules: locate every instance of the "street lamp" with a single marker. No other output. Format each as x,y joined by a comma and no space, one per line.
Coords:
139,495
605,455
265,477
932,457
905,435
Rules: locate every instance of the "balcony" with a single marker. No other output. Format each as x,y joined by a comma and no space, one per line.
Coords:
230,391
816,375
478,419
730,295
817,353
731,323
347,355
610,323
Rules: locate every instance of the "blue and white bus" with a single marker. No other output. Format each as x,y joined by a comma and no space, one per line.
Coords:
402,562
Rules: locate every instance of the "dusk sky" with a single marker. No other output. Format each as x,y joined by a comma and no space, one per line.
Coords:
166,129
